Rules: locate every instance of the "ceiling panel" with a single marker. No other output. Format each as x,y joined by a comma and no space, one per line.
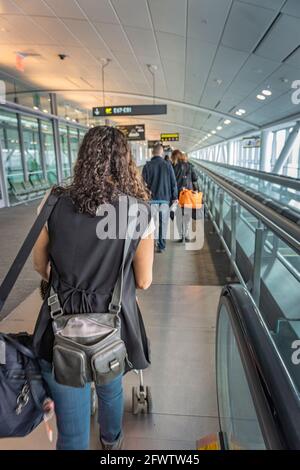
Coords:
65,8
294,59
292,7
8,7
175,79
9,35
241,87
278,44
124,9
226,65
98,10
85,33
142,41
59,32
203,22
199,60
113,36
29,29
34,7
246,25
286,72
257,69
169,15
171,47
272,4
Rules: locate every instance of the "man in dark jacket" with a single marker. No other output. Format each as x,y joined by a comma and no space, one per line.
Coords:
160,179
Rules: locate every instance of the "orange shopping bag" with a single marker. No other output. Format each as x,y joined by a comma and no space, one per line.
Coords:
189,198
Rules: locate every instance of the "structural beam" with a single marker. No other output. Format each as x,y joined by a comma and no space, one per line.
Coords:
263,150
285,152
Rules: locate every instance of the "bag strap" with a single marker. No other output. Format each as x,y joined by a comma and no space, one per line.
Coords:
26,249
19,346
116,299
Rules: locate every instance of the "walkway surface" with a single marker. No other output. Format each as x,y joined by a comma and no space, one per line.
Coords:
179,312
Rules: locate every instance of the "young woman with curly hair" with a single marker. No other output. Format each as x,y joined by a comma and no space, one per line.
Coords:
83,268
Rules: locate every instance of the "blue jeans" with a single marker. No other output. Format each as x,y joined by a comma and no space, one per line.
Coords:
161,213
73,411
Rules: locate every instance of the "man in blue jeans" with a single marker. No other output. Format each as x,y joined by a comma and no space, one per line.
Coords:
160,179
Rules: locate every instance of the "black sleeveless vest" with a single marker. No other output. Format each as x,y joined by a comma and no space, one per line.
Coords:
84,270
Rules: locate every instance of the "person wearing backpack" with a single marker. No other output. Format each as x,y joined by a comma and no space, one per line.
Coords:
186,178
81,253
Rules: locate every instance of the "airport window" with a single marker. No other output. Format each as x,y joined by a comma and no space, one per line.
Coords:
32,149
64,148
74,143
49,152
11,154
81,135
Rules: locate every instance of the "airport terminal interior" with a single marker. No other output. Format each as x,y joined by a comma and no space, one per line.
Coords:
220,81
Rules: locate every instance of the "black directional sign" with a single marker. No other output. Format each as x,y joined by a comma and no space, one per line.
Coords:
133,132
174,137
130,110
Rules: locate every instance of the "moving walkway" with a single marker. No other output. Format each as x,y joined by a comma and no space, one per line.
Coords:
258,326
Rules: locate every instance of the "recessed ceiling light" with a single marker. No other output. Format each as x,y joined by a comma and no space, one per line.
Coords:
267,92
213,132
208,135
219,128
242,111
261,97
238,113
36,108
45,110
227,121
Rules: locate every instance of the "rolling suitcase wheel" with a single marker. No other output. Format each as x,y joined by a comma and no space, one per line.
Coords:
141,400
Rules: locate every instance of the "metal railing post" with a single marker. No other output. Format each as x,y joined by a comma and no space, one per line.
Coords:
233,215
221,211
257,264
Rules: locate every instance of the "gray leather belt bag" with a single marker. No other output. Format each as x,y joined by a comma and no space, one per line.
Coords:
88,346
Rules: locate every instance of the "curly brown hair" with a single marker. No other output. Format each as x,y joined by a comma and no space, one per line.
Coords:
103,171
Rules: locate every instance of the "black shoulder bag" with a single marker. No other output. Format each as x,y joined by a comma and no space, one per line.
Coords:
22,389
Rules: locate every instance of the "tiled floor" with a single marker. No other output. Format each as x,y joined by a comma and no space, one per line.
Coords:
180,320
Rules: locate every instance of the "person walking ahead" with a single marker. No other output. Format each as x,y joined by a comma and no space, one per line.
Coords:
186,178
160,179
82,264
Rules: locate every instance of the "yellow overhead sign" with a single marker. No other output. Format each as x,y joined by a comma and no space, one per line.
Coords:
171,137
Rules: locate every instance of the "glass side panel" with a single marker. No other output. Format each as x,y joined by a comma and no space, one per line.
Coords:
32,149
283,195
11,155
81,135
238,419
281,299
74,143
49,152
64,148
